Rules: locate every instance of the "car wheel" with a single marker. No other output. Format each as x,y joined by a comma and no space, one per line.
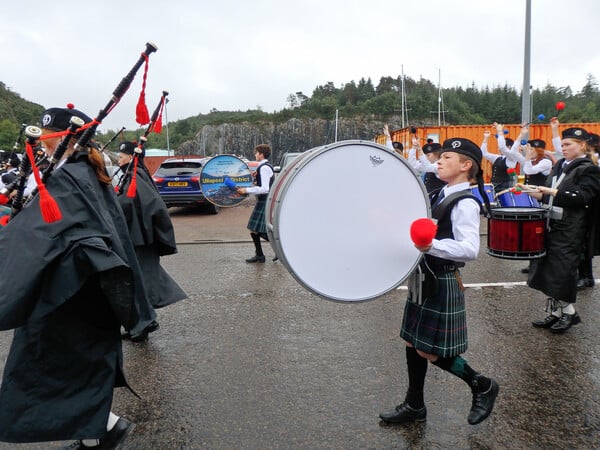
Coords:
213,209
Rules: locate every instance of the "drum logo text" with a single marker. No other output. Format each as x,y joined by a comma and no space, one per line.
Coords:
376,160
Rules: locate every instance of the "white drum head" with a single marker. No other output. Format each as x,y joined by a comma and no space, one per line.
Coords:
340,218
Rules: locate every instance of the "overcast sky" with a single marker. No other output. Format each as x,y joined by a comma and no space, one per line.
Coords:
237,55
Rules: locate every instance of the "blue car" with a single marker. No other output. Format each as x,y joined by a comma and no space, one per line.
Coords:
178,183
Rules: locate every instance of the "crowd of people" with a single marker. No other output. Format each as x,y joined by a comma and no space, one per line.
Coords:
80,295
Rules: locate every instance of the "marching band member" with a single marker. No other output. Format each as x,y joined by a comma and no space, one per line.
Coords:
264,180
585,275
392,145
426,164
570,190
500,162
153,236
434,323
12,170
67,288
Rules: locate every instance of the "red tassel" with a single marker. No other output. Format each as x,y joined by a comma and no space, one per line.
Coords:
158,124
4,220
157,128
141,110
50,210
133,184
48,206
3,199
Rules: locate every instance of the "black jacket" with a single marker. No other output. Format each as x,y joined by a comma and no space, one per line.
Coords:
152,233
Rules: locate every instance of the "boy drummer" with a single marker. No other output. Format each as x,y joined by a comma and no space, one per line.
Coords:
434,324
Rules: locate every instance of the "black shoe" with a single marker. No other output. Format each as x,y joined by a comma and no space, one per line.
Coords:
77,445
547,322
565,322
525,270
404,414
111,439
483,402
154,325
583,283
255,259
117,434
143,336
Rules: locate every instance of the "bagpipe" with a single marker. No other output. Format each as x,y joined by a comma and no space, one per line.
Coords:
131,171
32,134
84,132
110,141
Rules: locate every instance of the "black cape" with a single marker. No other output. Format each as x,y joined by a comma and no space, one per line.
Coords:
556,273
153,236
67,287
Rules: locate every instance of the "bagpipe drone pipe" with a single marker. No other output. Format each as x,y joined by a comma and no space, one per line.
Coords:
130,173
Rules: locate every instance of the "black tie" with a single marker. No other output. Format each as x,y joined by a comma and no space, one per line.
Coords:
561,167
440,198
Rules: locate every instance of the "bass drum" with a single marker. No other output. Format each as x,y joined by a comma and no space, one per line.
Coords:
338,218
219,178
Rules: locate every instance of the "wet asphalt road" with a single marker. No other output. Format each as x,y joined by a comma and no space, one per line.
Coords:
253,360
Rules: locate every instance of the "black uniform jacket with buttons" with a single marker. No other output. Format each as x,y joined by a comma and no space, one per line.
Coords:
568,237
580,188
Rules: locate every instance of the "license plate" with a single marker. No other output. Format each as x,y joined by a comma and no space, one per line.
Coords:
177,183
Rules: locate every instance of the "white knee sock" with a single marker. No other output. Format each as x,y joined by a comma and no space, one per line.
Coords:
112,420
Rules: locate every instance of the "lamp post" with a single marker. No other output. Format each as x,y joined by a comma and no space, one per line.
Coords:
525,101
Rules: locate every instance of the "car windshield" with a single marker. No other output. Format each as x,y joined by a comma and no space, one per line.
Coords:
179,168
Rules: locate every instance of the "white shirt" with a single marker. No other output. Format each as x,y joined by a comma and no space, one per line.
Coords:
30,186
465,228
557,144
265,178
388,143
543,166
504,151
421,165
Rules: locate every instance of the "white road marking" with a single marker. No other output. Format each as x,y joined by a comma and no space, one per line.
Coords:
501,284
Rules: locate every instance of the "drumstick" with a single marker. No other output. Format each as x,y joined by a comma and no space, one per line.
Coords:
528,188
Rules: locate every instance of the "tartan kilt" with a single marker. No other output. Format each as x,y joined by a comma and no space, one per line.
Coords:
439,325
257,222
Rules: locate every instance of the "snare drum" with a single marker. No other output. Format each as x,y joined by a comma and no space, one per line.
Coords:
517,233
338,218
488,188
508,199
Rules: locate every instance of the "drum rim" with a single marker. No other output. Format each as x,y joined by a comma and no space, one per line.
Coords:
280,188
506,212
